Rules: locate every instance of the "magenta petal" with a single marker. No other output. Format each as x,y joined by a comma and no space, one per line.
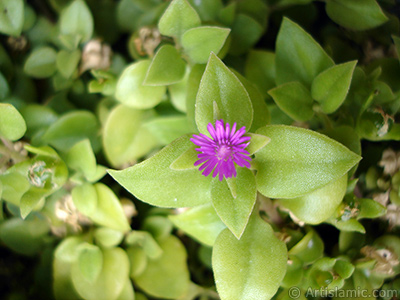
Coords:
223,151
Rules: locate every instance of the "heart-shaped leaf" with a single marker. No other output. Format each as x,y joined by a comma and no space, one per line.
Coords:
41,63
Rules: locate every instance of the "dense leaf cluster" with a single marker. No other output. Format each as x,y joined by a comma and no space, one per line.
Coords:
98,183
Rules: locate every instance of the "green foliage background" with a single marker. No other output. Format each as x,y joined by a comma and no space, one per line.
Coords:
100,198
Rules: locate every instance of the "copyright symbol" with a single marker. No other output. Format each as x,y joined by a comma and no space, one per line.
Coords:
294,292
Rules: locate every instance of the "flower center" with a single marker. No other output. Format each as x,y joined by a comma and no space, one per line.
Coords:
223,152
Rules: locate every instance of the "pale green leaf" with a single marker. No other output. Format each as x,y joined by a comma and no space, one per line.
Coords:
109,212
131,91
167,67
85,198
298,161
12,124
81,157
260,70
107,237
199,42
124,137
200,222
90,261
169,271
111,280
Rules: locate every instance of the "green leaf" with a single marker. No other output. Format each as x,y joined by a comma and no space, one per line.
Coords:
159,227
67,250
294,99
109,212
154,182
178,91
207,9
146,241
319,205
396,40
356,14
24,236
72,128
193,85
298,56
252,267
200,222
167,129
261,115
4,88
186,160
177,18
330,88
124,137
309,248
235,210
38,118
370,209
220,94
12,124
257,142
138,260
81,157
260,70
298,161
199,42
167,67
111,280
31,200
107,237
11,17
90,261
41,63
169,271
67,62
131,91
76,22
246,31
85,198
14,186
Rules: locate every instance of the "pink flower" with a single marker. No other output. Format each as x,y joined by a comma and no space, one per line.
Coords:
221,152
